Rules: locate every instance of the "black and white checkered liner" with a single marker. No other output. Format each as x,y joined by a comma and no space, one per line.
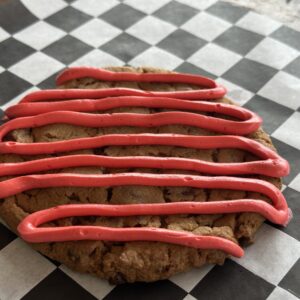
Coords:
257,58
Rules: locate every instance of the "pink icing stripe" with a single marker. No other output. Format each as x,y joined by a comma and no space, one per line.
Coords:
211,90
278,214
65,94
23,183
269,167
133,119
30,232
76,101
88,105
272,163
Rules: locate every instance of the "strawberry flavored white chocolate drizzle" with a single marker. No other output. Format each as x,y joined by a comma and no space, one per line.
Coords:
73,107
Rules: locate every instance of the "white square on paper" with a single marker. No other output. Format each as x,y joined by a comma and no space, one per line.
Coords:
281,294
206,26
148,6
273,53
258,23
295,184
37,7
96,32
189,297
151,29
284,89
97,58
36,67
3,35
156,57
200,4
21,268
214,59
94,7
188,280
39,35
272,255
289,131
96,286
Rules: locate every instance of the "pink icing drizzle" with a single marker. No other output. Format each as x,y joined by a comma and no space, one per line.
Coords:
33,111
211,90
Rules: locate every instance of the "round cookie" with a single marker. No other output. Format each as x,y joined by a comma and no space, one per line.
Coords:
135,261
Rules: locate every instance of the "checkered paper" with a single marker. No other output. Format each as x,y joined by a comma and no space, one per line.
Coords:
257,58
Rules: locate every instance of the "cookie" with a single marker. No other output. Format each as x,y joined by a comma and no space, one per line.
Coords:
136,174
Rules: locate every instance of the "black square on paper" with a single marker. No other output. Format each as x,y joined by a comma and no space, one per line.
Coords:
122,16
125,47
181,43
6,235
232,281
249,74
294,67
272,113
14,16
58,286
68,19
176,13
291,280
67,49
288,36
292,197
12,51
292,155
190,68
239,40
11,86
227,11
159,290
